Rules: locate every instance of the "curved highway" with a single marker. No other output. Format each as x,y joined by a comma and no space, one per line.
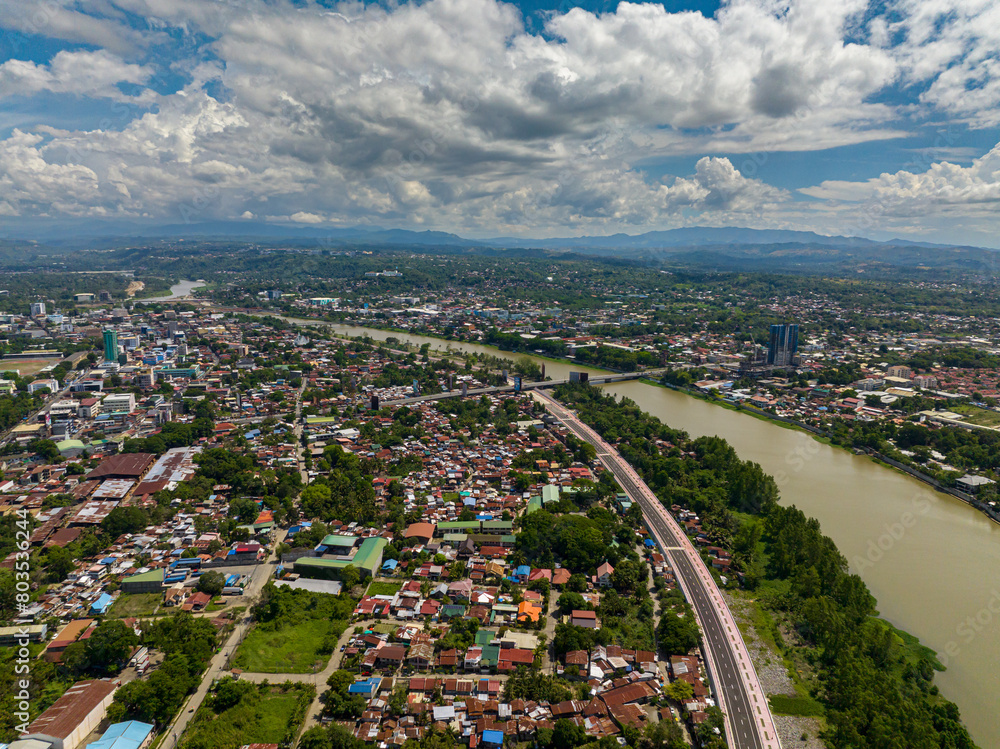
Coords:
749,724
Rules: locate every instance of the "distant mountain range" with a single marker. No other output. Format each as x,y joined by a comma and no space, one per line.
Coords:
725,248
84,233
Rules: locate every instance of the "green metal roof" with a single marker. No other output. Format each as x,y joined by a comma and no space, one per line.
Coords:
335,539
367,557
146,577
369,552
498,525
459,525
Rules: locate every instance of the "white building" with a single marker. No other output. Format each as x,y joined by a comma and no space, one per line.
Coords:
118,403
52,385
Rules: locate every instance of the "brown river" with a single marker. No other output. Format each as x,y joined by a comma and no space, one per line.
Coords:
932,562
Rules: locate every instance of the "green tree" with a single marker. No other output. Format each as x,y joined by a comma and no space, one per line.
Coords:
211,582
350,577
109,647
679,691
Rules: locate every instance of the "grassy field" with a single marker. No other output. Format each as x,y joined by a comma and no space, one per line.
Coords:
25,367
269,719
978,416
135,604
784,704
293,649
383,588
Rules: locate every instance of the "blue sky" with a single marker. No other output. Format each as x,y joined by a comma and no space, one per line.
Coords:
541,118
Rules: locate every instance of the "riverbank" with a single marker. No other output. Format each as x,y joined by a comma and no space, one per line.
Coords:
947,553
819,435
181,290
840,656
827,439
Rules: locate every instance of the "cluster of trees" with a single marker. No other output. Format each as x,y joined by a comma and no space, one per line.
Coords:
172,434
611,357
345,493
579,543
963,357
514,342
187,643
531,684
677,632
16,407
341,704
278,607
965,449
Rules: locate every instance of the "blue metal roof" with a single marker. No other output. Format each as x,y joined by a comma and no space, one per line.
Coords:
129,735
101,604
367,686
493,737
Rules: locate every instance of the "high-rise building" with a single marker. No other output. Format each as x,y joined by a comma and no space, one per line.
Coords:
111,345
783,345
37,309
147,379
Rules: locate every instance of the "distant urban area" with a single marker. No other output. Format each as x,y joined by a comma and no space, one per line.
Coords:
343,498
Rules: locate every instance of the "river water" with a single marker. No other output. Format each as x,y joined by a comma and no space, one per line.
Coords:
182,289
932,562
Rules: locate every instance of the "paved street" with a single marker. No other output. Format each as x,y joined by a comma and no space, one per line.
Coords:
216,667
749,724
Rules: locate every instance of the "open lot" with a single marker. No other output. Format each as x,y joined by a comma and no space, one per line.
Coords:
267,718
135,604
383,588
980,416
25,367
293,649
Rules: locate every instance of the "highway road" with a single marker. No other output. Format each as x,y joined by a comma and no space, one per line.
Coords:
525,386
749,724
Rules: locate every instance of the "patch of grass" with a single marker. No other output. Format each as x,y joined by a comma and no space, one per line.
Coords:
292,649
383,588
135,604
271,718
784,704
978,416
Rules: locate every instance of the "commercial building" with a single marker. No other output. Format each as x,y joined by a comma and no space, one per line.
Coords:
52,385
74,715
144,582
124,466
783,345
110,345
367,561
37,309
118,403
